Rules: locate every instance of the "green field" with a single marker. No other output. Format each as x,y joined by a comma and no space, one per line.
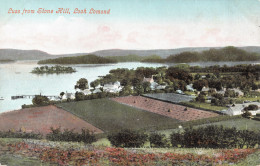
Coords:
111,116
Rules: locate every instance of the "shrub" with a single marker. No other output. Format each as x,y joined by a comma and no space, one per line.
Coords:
251,107
177,139
201,98
71,136
40,100
128,138
215,137
19,134
158,140
247,114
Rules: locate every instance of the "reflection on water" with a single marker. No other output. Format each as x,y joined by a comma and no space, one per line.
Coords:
16,79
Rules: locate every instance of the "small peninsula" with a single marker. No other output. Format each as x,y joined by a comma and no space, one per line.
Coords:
85,59
53,70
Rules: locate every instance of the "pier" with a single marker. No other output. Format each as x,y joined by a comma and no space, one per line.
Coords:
32,96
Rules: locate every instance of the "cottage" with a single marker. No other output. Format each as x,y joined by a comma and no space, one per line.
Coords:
238,109
154,85
205,89
86,91
190,87
151,80
238,91
179,91
160,87
68,96
97,90
112,87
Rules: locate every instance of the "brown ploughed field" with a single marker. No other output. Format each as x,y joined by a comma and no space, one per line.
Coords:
40,119
163,108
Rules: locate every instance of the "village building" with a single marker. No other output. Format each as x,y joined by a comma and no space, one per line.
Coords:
238,109
151,80
205,89
86,91
190,87
113,87
97,90
68,96
179,91
153,85
160,87
238,91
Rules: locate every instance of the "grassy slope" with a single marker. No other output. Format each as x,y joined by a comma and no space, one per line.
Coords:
111,116
205,106
240,124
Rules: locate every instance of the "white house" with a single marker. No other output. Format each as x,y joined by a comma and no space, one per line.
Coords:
237,109
68,96
97,90
240,93
179,91
151,80
86,91
205,89
159,87
112,87
190,87
154,85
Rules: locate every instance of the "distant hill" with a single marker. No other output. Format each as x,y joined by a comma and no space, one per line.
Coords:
165,52
15,54
229,53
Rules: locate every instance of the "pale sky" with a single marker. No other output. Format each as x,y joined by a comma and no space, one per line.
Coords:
135,24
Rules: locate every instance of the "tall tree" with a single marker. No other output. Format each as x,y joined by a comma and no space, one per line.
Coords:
82,84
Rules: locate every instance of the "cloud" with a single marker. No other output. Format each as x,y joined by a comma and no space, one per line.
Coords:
71,35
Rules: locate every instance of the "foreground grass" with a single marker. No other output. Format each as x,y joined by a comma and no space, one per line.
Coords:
204,106
19,160
43,153
7,158
111,116
251,160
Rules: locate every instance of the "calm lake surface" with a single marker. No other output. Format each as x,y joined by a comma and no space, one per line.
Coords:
16,79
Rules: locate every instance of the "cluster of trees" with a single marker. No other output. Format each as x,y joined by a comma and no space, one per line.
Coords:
80,96
85,59
202,137
53,69
177,78
216,55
